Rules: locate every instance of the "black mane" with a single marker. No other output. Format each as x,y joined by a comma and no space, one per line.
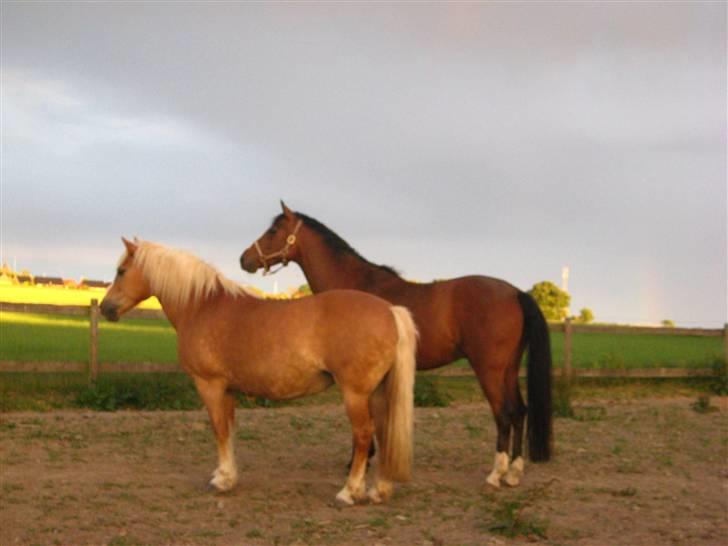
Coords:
334,242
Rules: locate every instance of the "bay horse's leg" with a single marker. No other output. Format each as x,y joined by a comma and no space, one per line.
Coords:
491,370
362,427
515,470
220,406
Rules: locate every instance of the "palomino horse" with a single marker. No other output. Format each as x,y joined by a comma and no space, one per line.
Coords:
230,340
486,320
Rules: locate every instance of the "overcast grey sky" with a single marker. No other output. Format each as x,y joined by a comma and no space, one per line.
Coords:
506,139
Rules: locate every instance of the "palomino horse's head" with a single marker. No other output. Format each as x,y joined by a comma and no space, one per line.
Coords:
129,287
276,245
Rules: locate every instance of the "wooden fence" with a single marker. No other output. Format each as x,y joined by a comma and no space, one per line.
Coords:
568,328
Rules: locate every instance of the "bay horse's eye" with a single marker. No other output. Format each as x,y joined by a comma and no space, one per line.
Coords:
119,272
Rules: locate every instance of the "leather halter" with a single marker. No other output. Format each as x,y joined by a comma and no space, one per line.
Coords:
282,253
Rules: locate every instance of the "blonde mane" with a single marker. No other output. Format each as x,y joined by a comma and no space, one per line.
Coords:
179,277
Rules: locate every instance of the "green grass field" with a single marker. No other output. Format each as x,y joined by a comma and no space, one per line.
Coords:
31,337
28,337
50,338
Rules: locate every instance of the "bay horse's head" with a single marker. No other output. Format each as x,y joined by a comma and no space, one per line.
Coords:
276,246
129,287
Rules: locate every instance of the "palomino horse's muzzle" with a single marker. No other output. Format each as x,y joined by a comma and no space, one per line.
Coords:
110,311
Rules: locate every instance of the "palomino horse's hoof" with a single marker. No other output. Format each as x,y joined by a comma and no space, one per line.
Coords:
493,481
376,497
344,498
381,492
222,481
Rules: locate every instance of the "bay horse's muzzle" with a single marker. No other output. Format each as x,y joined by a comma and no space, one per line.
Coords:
248,262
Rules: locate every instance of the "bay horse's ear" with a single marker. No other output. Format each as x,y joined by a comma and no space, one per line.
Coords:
130,247
288,212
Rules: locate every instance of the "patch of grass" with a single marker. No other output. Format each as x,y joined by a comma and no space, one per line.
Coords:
21,391
626,492
125,541
247,436
702,405
428,394
590,413
379,522
561,401
719,383
147,391
509,520
508,517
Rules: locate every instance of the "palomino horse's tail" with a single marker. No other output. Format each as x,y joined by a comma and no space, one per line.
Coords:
395,438
536,336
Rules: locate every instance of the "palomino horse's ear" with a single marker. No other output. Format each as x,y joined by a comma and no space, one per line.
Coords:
130,247
288,212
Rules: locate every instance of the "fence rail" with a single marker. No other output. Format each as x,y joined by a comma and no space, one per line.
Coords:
568,328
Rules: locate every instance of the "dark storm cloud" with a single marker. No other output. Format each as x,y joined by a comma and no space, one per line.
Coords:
444,139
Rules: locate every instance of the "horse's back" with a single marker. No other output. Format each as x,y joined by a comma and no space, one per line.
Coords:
352,317
448,312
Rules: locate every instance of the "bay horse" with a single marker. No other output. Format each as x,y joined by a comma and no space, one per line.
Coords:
486,320
229,340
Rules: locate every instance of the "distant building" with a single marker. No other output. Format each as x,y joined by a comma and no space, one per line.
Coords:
49,281
86,283
24,279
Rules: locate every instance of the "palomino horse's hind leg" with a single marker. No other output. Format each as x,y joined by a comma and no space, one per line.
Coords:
357,408
370,454
382,488
221,409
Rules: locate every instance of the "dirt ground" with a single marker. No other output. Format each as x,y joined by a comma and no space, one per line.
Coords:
652,472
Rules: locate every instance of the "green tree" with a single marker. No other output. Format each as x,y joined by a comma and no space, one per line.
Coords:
551,299
585,316
304,290
667,323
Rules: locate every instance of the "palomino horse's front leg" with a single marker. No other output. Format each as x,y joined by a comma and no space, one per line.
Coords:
221,409
362,426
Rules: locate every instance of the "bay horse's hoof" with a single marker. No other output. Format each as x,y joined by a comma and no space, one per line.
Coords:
500,468
515,472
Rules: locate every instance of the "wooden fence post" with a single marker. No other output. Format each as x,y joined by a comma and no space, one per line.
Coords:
93,354
567,372
725,345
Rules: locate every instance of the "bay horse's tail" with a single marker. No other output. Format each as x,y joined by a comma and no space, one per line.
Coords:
397,422
536,337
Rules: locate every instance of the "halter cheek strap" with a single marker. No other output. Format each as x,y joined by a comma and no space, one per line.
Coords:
282,253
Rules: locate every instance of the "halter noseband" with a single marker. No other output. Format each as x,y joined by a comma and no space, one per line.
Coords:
282,253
